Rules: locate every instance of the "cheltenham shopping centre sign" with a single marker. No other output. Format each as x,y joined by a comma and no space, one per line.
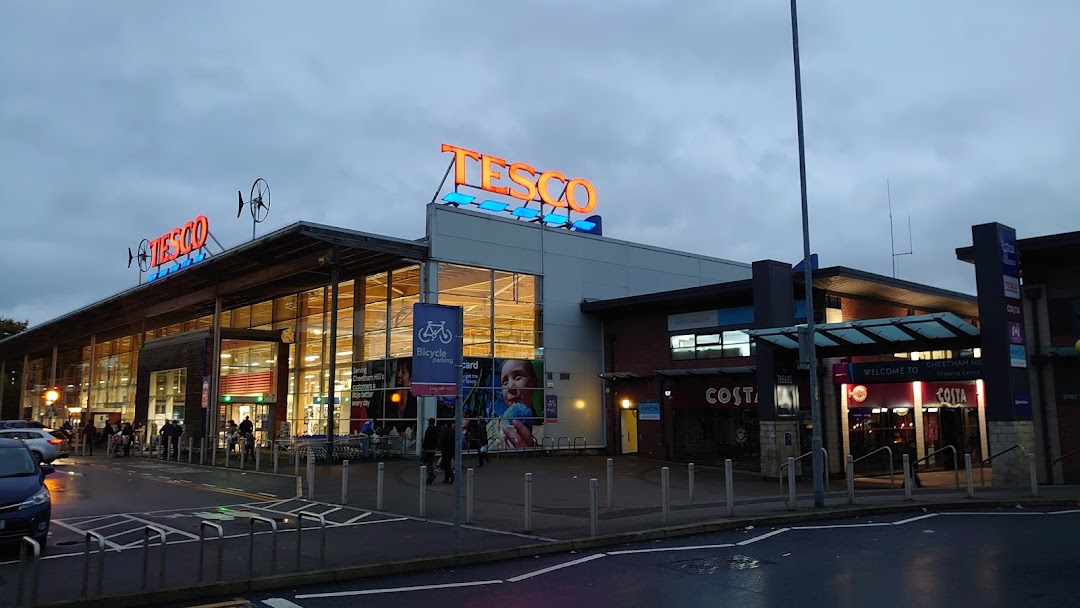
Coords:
526,184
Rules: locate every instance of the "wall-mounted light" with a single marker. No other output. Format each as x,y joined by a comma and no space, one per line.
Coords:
52,395
667,393
626,404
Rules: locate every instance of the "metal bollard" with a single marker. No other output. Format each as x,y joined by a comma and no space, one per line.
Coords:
528,502
203,525
690,479
907,477
610,480
251,543
296,461
311,474
967,475
468,493
275,448
345,482
228,455
190,450
146,556
594,520
34,560
258,458
729,488
423,491
791,483
851,479
100,564
1034,475
202,450
379,486
243,457
299,487
213,450
665,480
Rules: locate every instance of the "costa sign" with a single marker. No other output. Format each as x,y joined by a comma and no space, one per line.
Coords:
179,241
739,395
526,183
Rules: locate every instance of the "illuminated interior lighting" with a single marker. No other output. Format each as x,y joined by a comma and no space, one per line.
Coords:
226,356
311,358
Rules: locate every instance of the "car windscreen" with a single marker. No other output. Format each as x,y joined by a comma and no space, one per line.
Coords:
15,461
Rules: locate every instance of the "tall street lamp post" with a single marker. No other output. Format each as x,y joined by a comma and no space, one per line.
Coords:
809,346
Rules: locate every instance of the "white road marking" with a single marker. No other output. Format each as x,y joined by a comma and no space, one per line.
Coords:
164,527
356,519
398,589
267,494
991,513
874,525
556,567
661,549
762,537
911,519
115,523
82,533
280,602
1064,512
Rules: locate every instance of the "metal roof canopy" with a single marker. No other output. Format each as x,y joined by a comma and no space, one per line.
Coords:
936,331
708,371
279,263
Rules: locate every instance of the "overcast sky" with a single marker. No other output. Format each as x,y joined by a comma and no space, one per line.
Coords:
120,120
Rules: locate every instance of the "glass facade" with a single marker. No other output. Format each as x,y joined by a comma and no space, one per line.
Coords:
503,343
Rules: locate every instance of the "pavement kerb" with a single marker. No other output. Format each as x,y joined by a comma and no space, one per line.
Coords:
183,463
297,579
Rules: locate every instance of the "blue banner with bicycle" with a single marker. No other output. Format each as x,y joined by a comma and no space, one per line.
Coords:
436,349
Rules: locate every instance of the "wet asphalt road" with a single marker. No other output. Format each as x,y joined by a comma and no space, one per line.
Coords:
988,558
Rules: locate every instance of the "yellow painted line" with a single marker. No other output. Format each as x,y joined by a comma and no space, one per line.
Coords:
208,487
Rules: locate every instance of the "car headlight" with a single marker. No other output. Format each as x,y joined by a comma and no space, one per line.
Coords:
40,497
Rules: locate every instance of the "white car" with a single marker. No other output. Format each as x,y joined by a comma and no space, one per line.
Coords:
46,445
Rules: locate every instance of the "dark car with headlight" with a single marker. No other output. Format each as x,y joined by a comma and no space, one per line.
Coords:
25,504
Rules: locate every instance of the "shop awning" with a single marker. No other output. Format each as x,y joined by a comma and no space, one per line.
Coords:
709,371
936,331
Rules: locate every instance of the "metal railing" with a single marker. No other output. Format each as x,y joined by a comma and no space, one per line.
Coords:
955,461
29,557
983,463
203,525
1072,453
273,543
584,444
99,584
892,464
146,556
825,469
322,536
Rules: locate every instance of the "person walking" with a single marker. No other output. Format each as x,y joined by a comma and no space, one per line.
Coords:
174,439
164,438
481,439
429,444
446,446
129,435
246,426
89,434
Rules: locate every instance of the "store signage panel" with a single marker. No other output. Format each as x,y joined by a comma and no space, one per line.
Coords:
551,408
648,411
187,240
912,371
950,394
436,349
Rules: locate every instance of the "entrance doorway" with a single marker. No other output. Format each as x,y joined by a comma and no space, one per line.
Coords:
955,426
629,431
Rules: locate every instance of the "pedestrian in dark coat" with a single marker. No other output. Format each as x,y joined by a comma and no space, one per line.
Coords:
428,445
446,447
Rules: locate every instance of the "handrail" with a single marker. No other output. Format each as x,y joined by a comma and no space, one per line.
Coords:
251,543
1076,451
982,469
100,563
322,535
203,525
955,461
33,558
146,556
825,469
892,467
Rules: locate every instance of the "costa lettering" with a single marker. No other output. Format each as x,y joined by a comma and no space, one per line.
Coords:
179,241
739,395
527,182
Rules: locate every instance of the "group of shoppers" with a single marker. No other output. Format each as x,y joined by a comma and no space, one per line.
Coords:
441,438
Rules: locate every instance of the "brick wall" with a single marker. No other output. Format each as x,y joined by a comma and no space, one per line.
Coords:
1069,428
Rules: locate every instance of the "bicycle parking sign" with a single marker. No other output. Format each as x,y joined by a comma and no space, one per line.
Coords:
436,349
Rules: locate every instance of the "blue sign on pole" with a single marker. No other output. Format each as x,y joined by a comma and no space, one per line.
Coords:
436,349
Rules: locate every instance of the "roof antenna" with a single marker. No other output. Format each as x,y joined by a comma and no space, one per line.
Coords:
892,237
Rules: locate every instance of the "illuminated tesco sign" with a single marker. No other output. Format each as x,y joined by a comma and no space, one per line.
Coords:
526,183
180,241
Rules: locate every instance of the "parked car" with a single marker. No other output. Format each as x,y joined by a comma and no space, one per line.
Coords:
21,424
45,445
25,503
